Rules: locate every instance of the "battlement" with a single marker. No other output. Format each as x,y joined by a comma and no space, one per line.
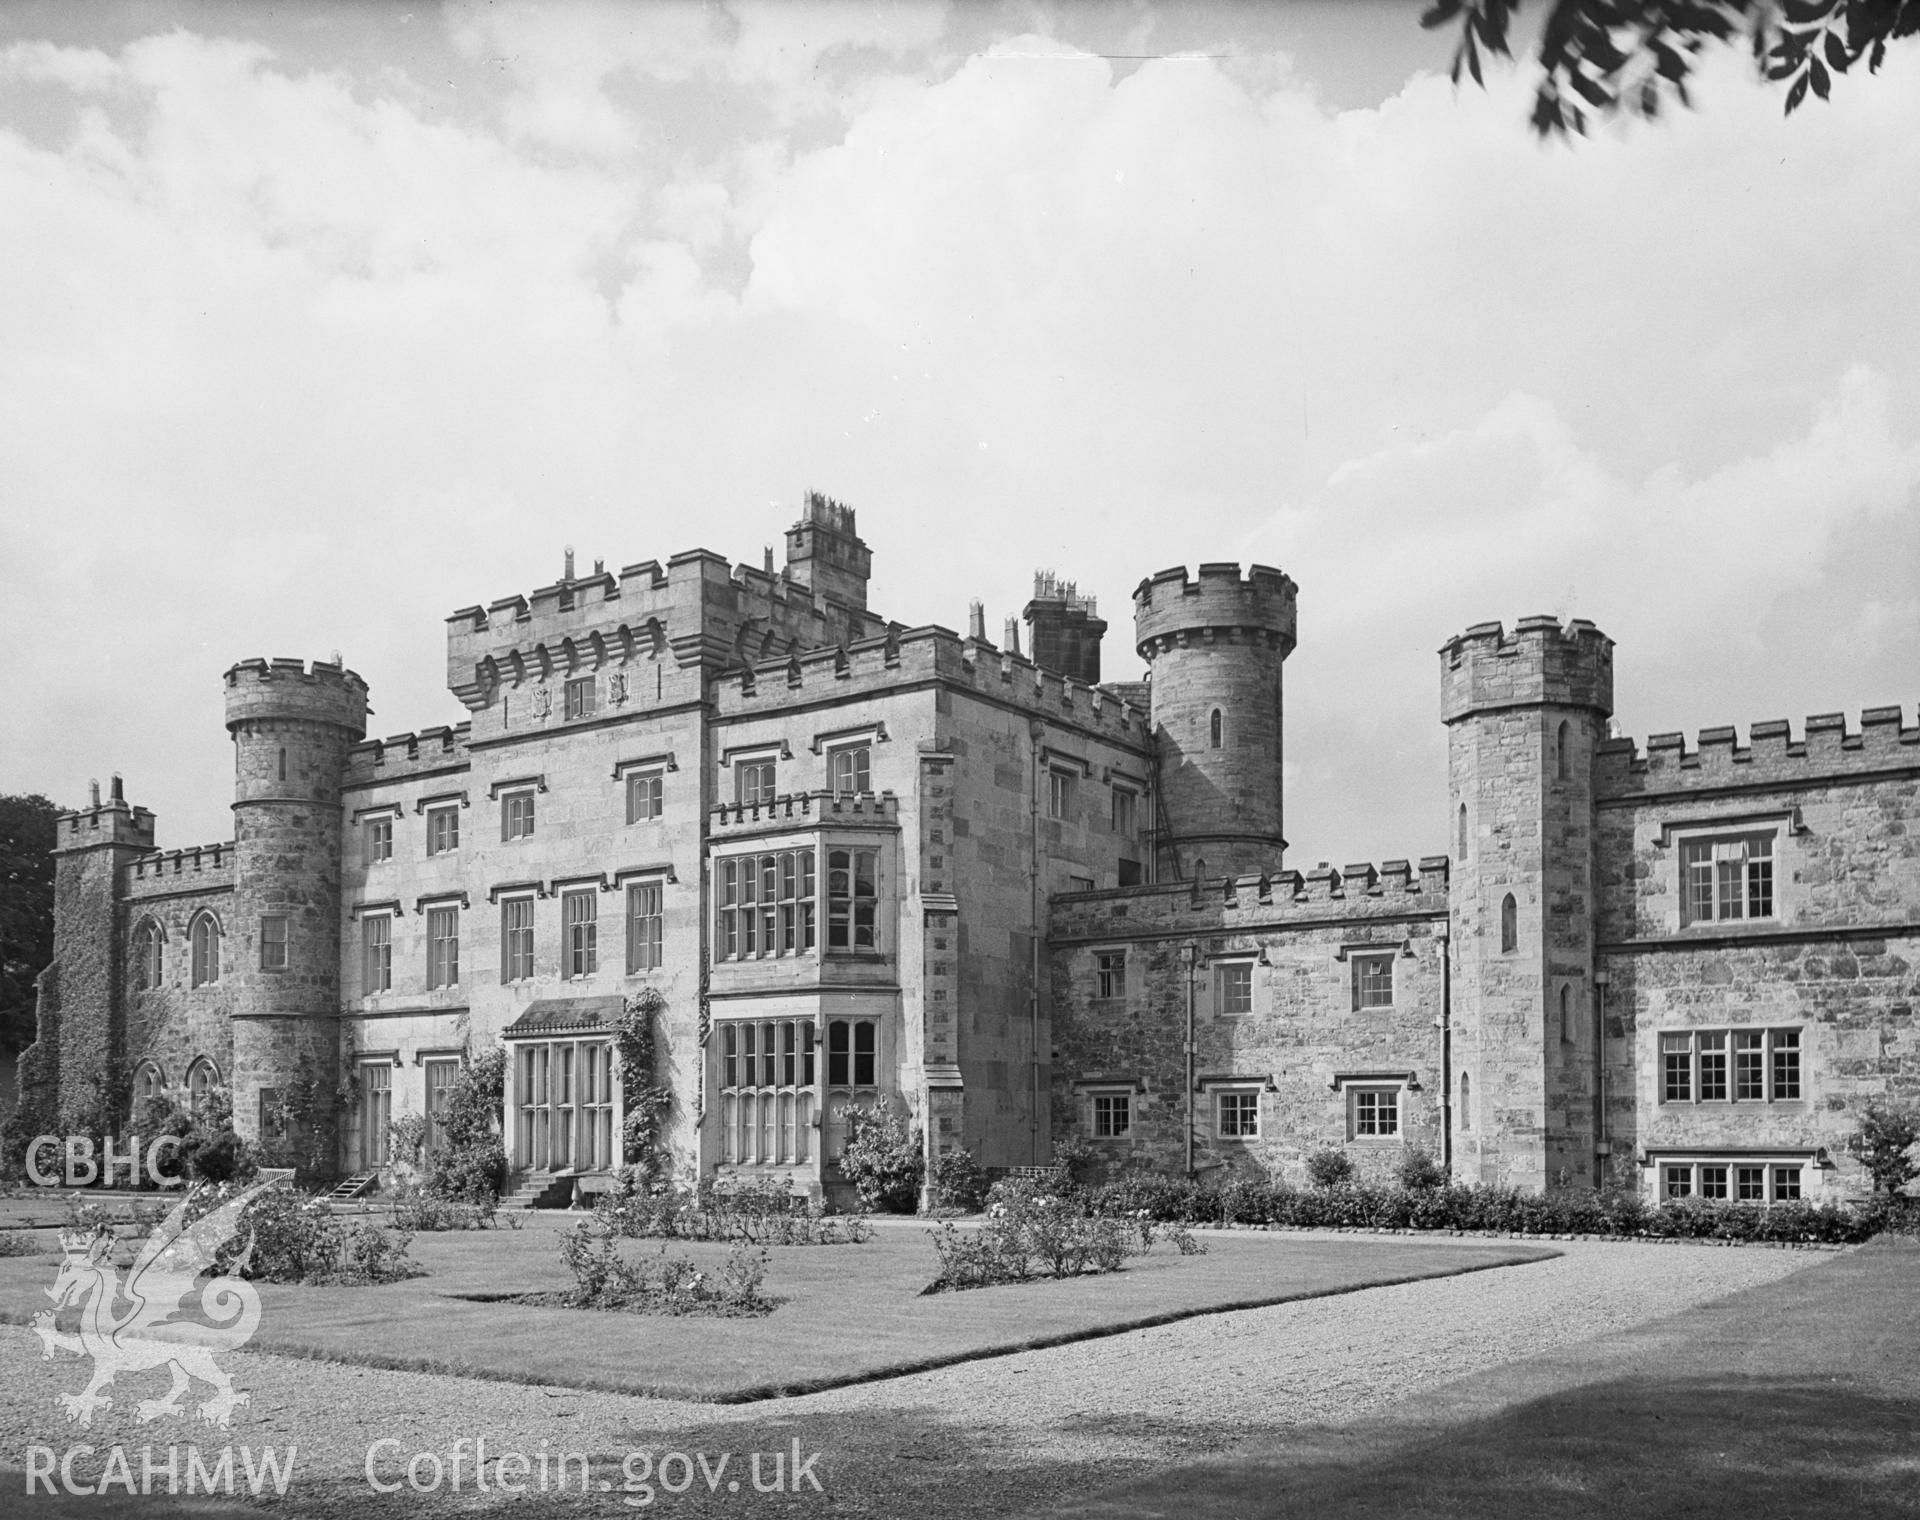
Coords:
801,810
108,823
699,610
1716,758
196,866
1394,889
1485,669
399,755
286,689
1218,600
912,656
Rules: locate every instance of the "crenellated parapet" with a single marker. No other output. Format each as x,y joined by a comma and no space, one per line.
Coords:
428,752
289,691
1393,890
199,867
1219,604
1540,663
109,823
1883,741
912,656
804,810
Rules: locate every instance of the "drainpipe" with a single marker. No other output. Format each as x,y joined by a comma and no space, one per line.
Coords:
1189,955
1034,731
1603,1146
1446,1051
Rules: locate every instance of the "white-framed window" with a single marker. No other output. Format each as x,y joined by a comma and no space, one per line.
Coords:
379,838
516,815
443,830
1232,988
443,947
1727,877
1110,974
1759,1180
516,939
1237,1113
853,900
148,948
376,953
753,782
273,942
203,939
1059,792
1731,1066
645,924
1373,1113
1126,812
852,1054
580,697
580,932
376,1112
766,1091
1112,1115
765,905
849,769
646,795
563,1092
1373,979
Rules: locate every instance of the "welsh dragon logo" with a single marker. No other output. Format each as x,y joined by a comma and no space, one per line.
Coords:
145,1333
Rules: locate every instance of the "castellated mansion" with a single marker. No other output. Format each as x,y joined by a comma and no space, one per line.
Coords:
860,861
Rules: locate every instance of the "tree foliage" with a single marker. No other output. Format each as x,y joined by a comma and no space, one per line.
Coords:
1602,57
1884,1144
471,1167
27,835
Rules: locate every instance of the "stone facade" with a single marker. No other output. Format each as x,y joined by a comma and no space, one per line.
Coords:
861,862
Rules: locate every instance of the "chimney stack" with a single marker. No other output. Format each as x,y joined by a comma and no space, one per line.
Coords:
93,791
1066,629
119,791
826,555
1011,642
569,572
977,621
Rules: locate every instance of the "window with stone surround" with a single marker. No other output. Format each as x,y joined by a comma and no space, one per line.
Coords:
580,697
443,947
1759,1179
849,770
203,939
767,1091
1215,725
1237,1113
1730,1066
379,839
563,1091
441,1075
1232,988
516,815
202,1078
1373,1113
1112,1115
273,942
148,1082
1509,925
1460,842
1059,792
1373,980
753,782
516,939
644,925
1566,1014
852,1046
580,930
853,901
1110,974
376,953
148,944
443,830
1126,812
645,795
1726,877
766,905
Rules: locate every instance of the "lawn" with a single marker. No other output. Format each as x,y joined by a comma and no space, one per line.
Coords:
847,1313
1798,1398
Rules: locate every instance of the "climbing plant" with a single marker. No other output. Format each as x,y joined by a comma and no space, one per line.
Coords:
647,1099
470,1166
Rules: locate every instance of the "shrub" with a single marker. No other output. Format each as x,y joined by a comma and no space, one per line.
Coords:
1030,1231
471,1167
290,1237
416,1211
1418,1172
763,1213
958,1182
17,1243
1884,1145
1329,1168
603,1279
882,1157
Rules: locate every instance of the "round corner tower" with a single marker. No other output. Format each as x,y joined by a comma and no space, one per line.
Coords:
1215,645
292,728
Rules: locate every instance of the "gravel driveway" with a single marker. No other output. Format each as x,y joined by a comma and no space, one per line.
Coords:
1000,1437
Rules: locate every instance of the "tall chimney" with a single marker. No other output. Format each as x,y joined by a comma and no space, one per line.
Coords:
977,621
1066,628
826,555
1011,641
569,573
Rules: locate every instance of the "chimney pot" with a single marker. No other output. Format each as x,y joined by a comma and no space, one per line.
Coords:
93,790
977,620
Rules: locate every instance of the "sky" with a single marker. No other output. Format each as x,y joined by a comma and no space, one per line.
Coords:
324,320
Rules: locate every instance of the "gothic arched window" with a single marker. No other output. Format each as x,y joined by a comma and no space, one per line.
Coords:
1466,1101
147,967
1460,848
149,1082
1509,925
204,938
202,1077
1213,730
1562,766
